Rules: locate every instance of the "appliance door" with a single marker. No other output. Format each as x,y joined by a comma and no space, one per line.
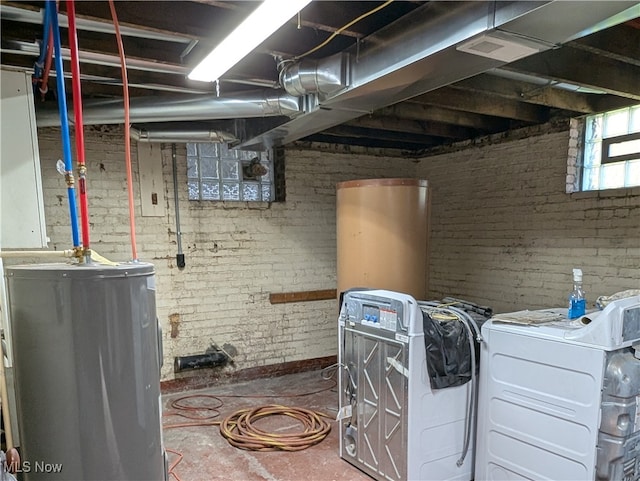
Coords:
539,407
376,386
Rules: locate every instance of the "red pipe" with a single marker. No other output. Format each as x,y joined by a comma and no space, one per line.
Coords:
77,109
127,129
44,82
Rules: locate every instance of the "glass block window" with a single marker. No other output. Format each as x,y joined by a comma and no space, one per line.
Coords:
215,172
611,157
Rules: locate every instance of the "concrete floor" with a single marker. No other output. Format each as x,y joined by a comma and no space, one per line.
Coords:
207,456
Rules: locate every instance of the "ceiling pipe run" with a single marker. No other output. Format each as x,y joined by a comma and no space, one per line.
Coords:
182,136
18,47
96,58
17,14
202,107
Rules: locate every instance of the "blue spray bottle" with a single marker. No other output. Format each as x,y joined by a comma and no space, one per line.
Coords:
577,300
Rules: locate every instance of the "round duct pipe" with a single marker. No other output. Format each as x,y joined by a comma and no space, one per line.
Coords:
301,78
308,76
168,109
182,136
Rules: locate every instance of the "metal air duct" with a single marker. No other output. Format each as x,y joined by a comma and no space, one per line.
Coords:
418,53
202,107
324,76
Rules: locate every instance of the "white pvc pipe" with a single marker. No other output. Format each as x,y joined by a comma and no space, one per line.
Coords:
13,254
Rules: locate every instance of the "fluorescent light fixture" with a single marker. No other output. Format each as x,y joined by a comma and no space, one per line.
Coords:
256,28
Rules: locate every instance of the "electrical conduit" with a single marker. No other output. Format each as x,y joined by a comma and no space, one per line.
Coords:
174,163
64,124
77,109
127,128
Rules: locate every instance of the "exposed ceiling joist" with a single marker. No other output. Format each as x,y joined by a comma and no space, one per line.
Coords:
367,133
164,39
620,43
421,127
33,15
366,142
193,20
459,99
418,111
580,67
301,20
544,94
550,94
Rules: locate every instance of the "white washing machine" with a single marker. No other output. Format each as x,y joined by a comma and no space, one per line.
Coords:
561,400
393,426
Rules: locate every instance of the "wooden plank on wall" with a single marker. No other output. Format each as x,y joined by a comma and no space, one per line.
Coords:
302,296
151,182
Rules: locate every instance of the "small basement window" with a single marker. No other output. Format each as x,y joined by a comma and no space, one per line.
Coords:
611,154
215,172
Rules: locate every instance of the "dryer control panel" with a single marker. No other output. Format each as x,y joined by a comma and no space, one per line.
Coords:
371,310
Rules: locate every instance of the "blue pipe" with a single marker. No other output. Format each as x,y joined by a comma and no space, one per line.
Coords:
39,65
64,122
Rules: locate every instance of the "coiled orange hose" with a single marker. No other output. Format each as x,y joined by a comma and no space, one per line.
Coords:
241,431
203,409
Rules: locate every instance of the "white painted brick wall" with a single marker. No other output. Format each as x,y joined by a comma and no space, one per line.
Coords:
505,233
235,255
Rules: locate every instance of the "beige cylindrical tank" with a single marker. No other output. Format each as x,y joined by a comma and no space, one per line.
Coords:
382,235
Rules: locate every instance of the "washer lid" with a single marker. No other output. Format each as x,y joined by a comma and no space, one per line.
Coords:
617,326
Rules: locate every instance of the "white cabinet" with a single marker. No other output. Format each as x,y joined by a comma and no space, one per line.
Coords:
22,223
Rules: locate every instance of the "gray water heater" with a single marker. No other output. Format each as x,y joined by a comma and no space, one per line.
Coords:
87,356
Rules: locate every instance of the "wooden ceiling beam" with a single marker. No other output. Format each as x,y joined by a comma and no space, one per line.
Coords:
419,127
365,142
457,99
362,132
579,67
621,42
585,103
304,22
417,111
528,92
187,19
